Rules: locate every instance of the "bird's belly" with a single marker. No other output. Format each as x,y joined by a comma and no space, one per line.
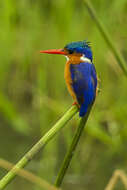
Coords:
67,76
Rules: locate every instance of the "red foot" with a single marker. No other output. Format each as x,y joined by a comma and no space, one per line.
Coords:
76,103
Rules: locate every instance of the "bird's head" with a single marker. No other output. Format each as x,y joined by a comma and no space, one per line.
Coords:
80,50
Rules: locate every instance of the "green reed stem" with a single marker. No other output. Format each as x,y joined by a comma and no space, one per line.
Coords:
106,36
28,176
36,148
71,150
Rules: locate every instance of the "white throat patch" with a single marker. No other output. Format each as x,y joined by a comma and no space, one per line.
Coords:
67,58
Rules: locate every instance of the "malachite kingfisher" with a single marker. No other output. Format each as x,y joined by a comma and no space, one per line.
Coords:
80,74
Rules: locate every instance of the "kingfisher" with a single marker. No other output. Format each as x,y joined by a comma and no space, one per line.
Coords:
80,73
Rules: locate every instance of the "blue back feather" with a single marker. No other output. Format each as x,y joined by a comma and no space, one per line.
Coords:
84,83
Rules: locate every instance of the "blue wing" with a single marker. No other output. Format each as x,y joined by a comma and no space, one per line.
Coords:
84,83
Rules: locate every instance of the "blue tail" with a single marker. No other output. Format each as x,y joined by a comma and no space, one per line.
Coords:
89,97
83,110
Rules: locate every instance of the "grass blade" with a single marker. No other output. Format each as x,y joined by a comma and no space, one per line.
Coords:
106,36
71,150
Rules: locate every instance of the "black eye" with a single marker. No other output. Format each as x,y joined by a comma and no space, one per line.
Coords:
70,51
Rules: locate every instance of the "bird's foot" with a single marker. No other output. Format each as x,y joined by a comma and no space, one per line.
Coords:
76,103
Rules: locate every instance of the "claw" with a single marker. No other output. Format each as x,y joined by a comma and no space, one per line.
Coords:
76,103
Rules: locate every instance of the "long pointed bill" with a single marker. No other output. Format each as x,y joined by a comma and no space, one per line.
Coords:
55,51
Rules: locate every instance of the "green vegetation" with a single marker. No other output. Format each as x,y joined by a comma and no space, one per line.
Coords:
33,94
39,145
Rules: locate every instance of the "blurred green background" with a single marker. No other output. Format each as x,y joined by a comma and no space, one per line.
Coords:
33,94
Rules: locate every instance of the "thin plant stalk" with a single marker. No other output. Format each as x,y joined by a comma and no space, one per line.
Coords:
38,146
28,176
106,36
71,150
117,174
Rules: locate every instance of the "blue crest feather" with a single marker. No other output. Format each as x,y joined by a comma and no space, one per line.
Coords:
82,47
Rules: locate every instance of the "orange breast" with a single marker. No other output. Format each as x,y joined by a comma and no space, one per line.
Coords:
67,76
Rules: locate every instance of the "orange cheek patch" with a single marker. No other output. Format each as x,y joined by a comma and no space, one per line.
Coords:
74,58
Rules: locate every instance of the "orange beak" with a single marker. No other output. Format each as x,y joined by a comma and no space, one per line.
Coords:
55,51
